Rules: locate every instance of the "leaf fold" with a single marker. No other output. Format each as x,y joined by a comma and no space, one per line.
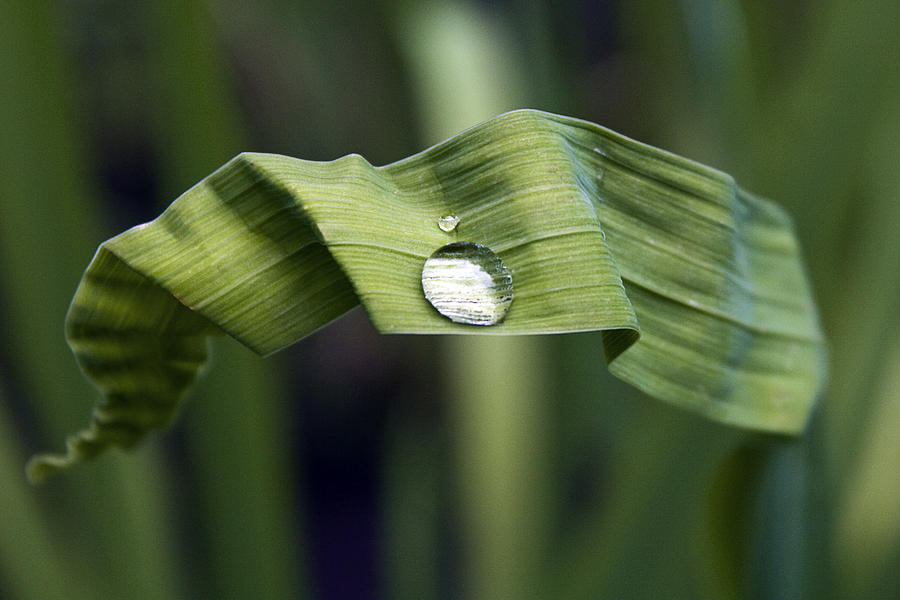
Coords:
697,286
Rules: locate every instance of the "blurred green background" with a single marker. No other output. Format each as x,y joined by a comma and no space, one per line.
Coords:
355,465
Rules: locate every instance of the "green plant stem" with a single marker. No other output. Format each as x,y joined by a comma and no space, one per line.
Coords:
31,566
498,415
465,68
48,229
249,510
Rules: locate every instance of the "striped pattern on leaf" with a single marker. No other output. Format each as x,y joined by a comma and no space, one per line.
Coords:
697,286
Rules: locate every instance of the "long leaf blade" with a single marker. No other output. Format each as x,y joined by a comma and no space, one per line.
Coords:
697,285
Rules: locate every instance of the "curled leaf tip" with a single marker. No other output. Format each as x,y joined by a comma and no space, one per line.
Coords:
80,447
696,285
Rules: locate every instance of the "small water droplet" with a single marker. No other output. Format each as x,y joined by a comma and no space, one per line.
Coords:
448,223
467,283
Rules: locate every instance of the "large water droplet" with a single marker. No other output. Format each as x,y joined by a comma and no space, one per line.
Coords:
467,283
448,223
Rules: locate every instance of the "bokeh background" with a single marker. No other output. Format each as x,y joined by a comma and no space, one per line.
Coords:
355,465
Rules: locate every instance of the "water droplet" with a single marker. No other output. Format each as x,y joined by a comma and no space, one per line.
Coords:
448,223
467,283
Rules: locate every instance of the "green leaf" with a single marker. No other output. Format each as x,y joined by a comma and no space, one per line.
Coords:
696,284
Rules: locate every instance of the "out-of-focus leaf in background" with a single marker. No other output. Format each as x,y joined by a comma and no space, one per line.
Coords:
379,467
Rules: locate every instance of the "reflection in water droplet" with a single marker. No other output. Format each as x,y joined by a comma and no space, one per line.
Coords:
448,223
467,283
